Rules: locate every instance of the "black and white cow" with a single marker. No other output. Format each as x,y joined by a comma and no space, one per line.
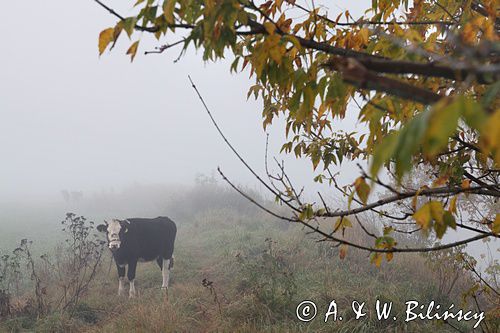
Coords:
140,239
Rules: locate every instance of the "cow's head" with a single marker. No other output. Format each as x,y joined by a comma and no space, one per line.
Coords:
115,231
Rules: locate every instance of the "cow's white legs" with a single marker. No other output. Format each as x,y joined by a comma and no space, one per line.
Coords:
121,285
165,272
132,292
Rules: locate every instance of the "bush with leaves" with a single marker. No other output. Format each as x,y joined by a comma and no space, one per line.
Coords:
269,278
77,261
57,281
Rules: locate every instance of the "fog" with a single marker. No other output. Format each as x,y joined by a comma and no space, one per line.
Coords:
74,121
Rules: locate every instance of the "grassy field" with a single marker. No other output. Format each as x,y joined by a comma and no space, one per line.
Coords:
256,270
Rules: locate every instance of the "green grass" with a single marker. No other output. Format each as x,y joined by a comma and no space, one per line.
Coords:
260,269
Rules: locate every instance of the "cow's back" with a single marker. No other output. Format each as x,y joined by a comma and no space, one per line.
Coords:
149,238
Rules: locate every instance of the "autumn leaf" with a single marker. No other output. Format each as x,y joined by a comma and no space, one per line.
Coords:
342,251
453,204
362,189
168,10
270,27
423,216
342,223
496,224
105,37
376,258
133,50
466,184
443,121
437,211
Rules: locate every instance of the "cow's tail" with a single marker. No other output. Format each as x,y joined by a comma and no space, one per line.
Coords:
171,263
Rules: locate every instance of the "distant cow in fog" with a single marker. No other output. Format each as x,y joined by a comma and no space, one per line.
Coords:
140,239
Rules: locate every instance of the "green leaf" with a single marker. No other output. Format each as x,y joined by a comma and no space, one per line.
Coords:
491,94
409,142
306,213
449,220
400,145
440,229
129,25
342,223
472,112
384,151
443,122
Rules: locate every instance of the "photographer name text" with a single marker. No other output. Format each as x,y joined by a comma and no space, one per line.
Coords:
307,310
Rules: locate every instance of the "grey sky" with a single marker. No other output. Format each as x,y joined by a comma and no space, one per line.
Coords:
73,121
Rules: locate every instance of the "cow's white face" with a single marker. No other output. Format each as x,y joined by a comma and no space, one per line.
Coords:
115,229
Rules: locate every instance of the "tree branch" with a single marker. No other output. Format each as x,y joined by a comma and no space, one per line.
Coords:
234,150
343,241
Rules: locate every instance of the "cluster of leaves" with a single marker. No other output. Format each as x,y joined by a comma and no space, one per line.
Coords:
424,75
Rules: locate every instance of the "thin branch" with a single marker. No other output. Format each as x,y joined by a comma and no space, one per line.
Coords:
371,22
234,150
330,237
140,27
161,49
473,270
405,195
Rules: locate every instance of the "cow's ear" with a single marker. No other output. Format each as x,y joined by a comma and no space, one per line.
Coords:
102,228
124,224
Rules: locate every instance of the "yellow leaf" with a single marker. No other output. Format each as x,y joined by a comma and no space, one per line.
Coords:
342,222
133,50
496,224
437,211
453,204
376,259
364,33
491,136
466,184
270,27
105,37
423,216
362,189
168,11
389,256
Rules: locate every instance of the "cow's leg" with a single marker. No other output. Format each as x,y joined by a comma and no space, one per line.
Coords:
121,279
159,261
132,265
165,272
